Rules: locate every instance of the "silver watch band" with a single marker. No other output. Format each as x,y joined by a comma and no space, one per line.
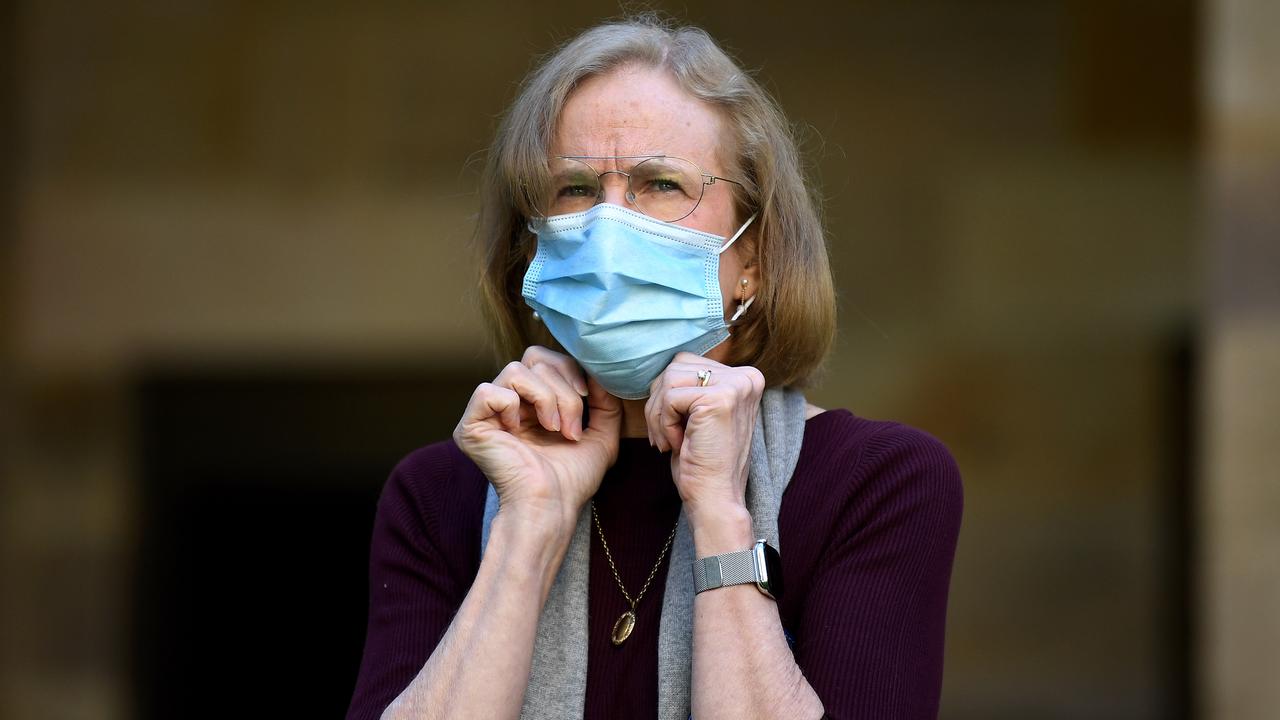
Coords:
736,568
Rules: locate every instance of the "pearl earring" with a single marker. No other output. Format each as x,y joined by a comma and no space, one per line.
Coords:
743,303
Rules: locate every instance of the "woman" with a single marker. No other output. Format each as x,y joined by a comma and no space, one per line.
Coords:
606,535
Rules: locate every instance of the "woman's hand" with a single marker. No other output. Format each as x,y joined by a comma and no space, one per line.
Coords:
708,431
524,431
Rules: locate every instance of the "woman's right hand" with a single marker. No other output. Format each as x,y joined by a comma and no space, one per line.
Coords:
524,431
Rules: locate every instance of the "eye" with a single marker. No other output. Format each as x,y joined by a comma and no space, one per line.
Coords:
573,191
664,185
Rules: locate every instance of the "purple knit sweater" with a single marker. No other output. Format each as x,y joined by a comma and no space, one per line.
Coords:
867,534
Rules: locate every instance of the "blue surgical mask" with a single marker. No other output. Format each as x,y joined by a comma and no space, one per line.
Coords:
623,293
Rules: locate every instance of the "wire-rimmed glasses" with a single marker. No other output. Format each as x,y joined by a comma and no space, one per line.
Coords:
663,187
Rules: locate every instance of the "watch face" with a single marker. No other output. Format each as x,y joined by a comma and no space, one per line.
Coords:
769,568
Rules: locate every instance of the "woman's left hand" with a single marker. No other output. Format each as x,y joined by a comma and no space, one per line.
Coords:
707,429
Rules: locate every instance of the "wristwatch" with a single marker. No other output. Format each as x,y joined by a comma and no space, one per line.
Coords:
759,564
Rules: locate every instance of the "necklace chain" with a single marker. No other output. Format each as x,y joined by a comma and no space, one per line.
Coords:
608,556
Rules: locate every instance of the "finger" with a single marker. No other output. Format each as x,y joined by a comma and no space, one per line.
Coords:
490,401
677,374
745,378
661,420
681,403
606,413
670,422
652,422
533,390
568,402
689,375
651,405
654,409
563,364
648,405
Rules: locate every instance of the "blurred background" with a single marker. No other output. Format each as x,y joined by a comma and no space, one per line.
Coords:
238,287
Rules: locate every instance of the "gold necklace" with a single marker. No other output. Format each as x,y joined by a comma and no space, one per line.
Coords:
627,622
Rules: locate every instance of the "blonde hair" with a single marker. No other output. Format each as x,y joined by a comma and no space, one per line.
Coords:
790,327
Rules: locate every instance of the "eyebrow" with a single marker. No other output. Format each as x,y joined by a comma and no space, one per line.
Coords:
651,156
616,157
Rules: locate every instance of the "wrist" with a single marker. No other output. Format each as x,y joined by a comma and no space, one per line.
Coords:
522,556
549,519
540,539
720,529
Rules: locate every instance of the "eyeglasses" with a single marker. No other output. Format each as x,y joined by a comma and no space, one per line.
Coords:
661,186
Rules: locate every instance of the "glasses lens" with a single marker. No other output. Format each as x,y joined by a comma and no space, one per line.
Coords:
574,187
666,188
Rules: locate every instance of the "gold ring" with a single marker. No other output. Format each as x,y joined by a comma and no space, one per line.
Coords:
704,377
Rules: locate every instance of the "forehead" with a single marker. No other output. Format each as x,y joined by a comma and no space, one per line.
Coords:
639,111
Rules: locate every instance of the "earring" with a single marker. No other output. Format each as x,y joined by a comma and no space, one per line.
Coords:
743,303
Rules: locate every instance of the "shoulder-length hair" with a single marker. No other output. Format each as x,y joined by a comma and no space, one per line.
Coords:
790,327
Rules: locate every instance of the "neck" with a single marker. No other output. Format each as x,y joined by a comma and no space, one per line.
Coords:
633,423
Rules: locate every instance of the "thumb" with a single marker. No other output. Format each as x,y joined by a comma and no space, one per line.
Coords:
606,411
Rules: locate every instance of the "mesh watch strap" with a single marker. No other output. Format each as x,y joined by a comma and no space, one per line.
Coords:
735,568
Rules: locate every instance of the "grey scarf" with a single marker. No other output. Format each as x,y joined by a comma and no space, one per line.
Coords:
558,676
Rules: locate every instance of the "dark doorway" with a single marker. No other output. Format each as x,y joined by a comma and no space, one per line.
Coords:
259,488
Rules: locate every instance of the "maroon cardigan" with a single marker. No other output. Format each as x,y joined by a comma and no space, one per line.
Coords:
867,533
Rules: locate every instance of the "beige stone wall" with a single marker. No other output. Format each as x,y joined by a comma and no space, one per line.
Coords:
1241,379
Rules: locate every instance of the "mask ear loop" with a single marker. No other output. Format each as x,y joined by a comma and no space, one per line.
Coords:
738,234
742,307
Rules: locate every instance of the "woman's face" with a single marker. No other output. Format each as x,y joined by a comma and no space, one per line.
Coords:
641,111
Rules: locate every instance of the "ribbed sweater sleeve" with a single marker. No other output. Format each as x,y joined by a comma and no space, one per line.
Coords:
419,570
869,631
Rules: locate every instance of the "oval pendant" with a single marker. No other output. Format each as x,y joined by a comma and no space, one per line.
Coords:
623,627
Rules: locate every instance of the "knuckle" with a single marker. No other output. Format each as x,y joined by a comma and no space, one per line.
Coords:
722,399
547,374
539,354
487,394
464,434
